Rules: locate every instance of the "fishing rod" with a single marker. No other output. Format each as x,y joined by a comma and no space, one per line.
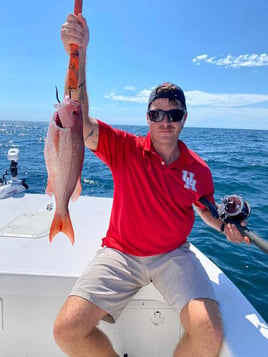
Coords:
234,209
74,55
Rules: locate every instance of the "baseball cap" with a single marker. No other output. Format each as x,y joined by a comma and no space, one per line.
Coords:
168,90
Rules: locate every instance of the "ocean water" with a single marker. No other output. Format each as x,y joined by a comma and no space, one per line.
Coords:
238,160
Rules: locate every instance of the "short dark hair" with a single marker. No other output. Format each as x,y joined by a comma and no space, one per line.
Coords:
170,91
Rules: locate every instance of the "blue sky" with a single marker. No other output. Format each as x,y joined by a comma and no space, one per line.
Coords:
215,50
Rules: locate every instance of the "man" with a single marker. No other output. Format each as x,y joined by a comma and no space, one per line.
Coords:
157,180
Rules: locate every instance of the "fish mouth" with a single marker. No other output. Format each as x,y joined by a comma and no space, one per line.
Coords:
58,121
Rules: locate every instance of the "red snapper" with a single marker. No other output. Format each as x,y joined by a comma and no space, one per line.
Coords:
64,156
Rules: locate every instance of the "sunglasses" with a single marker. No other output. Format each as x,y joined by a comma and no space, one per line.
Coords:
173,115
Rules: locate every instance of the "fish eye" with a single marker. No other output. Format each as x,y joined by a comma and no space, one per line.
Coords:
75,112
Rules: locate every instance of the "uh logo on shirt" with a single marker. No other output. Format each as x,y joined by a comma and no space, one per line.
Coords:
188,178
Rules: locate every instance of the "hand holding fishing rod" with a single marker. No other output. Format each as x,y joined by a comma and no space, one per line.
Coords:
74,55
234,210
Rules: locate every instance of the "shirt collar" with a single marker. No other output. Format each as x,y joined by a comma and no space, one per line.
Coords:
147,147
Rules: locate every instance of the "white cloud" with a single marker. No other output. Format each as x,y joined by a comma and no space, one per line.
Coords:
246,60
140,97
197,98
130,88
214,110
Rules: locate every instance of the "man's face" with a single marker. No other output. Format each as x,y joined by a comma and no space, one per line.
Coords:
165,132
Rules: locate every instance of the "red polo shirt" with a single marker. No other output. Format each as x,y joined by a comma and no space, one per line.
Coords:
152,209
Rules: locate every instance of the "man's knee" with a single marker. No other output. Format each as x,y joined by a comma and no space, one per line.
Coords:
202,322
61,328
64,329
76,320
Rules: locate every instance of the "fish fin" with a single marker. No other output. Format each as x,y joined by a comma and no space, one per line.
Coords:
77,190
61,223
49,190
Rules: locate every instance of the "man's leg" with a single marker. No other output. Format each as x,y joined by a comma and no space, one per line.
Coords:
203,330
76,333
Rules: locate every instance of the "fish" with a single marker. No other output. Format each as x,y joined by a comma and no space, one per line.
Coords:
64,157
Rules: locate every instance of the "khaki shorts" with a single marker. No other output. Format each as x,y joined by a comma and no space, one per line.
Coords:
112,278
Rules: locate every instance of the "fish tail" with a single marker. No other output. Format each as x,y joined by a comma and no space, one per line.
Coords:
61,223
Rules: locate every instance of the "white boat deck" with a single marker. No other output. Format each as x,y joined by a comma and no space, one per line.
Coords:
36,277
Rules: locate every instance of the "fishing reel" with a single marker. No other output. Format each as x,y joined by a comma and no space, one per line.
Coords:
233,209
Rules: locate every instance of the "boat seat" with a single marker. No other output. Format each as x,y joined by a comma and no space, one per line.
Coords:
145,326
